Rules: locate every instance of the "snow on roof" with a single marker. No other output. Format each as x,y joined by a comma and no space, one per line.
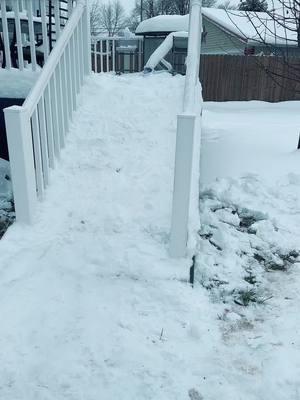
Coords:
164,23
250,26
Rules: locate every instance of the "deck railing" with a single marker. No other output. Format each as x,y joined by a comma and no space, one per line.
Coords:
27,32
185,212
117,54
36,131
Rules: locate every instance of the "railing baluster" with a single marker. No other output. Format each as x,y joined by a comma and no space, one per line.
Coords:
44,31
95,57
49,126
57,19
113,55
101,55
18,35
64,75
81,52
133,61
31,35
5,35
74,69
37,154
43,139
86,37
64,104
60,106
70,79
69,97
107,56
78,54
55,116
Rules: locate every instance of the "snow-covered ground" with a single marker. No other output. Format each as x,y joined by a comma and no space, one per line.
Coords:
249,247
15,83
92,306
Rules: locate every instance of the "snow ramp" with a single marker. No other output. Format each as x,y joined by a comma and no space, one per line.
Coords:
92,306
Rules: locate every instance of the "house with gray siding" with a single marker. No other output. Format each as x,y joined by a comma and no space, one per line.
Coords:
230,32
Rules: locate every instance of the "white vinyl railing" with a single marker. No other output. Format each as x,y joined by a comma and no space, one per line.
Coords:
114,54
24,36
185,212
37,130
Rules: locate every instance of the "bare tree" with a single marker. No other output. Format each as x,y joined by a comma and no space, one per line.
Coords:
95,17
112,17
253,5
227,5
152,8
276,34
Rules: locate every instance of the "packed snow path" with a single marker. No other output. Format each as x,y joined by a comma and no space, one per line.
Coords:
91,305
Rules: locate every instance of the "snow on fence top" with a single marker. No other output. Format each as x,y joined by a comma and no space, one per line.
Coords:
252,27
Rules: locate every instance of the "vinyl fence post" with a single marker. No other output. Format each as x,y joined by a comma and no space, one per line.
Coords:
182,184
21,162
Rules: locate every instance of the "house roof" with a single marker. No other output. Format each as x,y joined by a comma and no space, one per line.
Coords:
251,27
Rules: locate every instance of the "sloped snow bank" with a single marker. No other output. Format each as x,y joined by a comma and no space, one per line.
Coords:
249,230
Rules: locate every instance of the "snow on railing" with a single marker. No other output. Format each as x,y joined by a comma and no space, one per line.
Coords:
25,31
157,57
185,212
36,131
117,54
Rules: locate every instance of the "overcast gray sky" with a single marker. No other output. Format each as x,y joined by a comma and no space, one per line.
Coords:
127,4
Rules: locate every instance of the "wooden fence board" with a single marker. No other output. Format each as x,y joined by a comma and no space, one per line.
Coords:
267,78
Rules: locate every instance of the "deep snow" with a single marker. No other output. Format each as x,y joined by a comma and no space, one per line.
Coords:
249,247
15,83
92,306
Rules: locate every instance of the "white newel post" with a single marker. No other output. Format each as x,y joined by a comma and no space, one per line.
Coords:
182,184
185,138
21,162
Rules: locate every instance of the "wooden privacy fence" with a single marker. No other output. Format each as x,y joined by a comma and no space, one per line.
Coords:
235,78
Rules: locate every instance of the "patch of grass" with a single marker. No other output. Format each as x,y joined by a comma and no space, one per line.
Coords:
246,296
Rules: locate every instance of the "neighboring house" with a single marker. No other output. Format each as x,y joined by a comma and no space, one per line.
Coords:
224,32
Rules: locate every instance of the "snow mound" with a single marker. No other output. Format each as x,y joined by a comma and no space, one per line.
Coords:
249,229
